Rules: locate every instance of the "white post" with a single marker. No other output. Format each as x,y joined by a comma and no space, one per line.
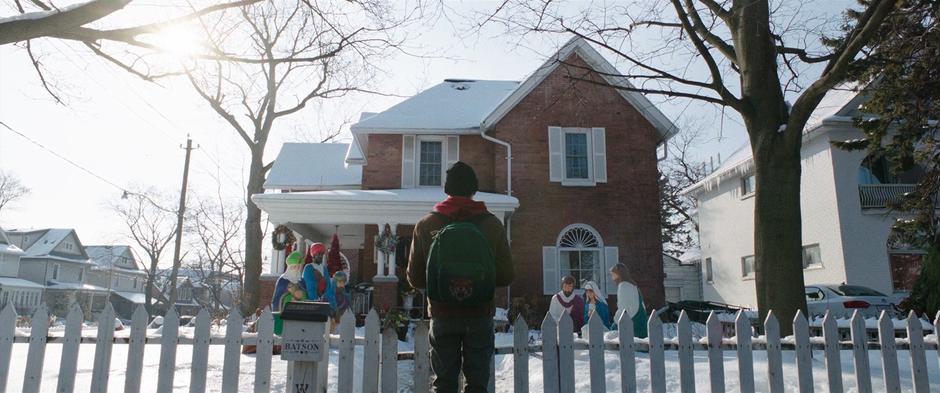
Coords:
392,257
379,256
304,344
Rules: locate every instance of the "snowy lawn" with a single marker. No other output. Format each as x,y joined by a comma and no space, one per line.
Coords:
504,368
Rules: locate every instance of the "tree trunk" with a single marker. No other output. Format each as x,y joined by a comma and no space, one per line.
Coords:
253,236
778,229
151,276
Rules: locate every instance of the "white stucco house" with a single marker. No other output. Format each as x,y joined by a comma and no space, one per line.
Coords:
24,295
846,222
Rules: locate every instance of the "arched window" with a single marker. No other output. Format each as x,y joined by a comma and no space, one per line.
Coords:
579,255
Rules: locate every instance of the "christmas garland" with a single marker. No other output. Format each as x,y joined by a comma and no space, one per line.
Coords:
282,229
387,242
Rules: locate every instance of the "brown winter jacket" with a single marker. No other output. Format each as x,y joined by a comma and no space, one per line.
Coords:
421,246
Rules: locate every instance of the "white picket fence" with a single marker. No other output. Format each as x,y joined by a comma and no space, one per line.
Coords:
557,350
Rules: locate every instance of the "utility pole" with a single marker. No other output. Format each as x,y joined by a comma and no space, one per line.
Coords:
179,226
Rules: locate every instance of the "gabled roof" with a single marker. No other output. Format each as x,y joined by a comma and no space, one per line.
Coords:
453,106
48,240
595,60
104,256
313,166
839,105
6,247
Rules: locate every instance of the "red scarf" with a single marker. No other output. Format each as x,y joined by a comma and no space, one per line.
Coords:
460,208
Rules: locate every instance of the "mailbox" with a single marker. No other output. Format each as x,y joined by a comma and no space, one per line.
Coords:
303,341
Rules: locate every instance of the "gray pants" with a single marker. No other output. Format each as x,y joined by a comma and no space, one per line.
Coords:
461,343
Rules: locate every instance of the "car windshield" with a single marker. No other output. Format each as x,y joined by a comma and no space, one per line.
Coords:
855,290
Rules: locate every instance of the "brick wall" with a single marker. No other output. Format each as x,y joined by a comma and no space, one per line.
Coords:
625,210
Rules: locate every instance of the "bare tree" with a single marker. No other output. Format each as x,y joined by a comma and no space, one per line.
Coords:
11,189
151,227
679,171
746,55
218,247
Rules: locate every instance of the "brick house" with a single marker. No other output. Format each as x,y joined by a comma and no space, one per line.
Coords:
567,163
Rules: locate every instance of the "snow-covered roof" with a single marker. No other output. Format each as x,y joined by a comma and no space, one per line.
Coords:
691,255
3,237
313,166
18,283
453,106
6,247
47,242
133,297
75,286
399,206
105,256
839,105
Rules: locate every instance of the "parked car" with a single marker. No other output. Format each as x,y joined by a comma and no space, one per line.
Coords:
843,300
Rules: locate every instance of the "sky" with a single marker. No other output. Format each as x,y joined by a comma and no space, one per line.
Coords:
128,133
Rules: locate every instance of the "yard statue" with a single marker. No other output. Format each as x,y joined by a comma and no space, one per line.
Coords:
290,286
315,276
337,295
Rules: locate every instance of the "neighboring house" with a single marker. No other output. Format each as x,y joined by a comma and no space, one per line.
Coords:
683,279
569,166
117,269
24,295
844,200
56,259
196,289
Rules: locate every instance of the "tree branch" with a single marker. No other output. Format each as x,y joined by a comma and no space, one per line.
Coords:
45,23
726,49
38,67
717,82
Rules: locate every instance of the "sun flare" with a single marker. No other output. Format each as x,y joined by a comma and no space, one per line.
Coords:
179,41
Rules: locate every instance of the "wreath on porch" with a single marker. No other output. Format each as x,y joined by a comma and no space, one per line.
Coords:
288,238
387,242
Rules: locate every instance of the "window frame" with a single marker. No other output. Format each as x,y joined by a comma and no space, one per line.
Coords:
418,160
590,180
55,271
597,249
819,264
745,192
744,274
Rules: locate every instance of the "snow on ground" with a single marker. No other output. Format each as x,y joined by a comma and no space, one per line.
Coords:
504,369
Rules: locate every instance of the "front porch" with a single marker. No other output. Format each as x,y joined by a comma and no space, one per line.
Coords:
357,217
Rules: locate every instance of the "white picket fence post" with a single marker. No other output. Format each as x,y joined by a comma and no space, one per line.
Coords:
657,358
860,353
102,369
915,335
596,331
70,344
233,349
774,357
168,342
889,354
347,352
135,350
549,354
370,354
686,362
520,355
565,353
422,360
389,380
716,363
627,353
201,338
742,334
39,331
264,348
7,336
833,354
804,354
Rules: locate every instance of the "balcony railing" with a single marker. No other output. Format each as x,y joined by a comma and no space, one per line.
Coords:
878,196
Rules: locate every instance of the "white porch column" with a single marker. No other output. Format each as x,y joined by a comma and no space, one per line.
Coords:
392,259
379,256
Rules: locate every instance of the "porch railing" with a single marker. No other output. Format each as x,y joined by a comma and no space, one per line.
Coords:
557,349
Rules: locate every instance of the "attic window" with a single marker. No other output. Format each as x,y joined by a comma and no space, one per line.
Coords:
460,84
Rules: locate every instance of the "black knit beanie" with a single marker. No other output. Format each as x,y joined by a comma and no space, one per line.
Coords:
461,180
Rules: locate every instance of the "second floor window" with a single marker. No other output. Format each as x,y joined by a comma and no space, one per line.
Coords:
812,258
430,162
576,155
748,185
709,275
55,272
747,266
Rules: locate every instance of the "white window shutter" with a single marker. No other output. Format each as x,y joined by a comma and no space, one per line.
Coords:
452,154
408,161
556,154
611,258
550,278
600,155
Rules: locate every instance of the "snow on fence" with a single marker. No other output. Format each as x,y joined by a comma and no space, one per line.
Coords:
381,357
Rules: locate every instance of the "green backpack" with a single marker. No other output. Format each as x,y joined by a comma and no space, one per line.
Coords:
461,267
